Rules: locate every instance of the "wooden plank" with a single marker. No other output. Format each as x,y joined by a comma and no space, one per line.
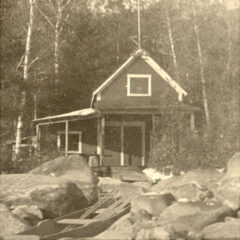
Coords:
76,221
130,178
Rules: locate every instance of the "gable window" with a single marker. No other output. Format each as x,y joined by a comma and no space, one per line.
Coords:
74,141
139,85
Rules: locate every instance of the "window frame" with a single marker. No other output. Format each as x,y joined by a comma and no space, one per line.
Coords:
149,79
79,133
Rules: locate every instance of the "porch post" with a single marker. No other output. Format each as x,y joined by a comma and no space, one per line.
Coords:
66,137
38,135
122,146
98,136
143,146
192,121
101,142
58,142
152,135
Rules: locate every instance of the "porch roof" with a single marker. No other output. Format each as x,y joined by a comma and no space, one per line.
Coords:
82,114
154,109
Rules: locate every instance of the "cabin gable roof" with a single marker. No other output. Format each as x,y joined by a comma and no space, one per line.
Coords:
143,55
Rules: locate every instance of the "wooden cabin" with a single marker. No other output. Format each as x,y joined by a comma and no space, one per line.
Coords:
118,127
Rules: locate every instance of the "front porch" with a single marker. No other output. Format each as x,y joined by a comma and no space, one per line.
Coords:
106,137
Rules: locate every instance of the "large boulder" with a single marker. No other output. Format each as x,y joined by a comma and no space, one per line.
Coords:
130,174
150,205
153,233
107,184
228,190
191,218
130,191
53,195
74,168
233,166
121,229
229,230
9,224
193,185
30,213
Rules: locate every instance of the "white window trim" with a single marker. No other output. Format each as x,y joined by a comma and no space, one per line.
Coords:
79,133
148,76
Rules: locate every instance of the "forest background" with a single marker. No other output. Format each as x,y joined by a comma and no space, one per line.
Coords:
55,53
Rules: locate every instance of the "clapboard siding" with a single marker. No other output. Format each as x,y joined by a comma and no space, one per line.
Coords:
116,93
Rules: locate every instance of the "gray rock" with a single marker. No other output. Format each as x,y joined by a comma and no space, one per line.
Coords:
107,184
9,224
150,204
231,219
191,218
229,230
128,172
121,229
233,166
74,168
51,194
194,185
32,214
145,185
130,191
153,233
228,192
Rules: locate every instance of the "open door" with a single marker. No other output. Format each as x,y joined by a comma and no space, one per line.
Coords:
112,148
133,152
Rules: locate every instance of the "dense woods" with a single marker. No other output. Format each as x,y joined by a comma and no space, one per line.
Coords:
55,53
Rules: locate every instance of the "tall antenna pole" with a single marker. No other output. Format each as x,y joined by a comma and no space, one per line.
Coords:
139,26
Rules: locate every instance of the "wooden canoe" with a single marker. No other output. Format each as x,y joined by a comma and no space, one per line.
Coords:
50,226
87,230
83,223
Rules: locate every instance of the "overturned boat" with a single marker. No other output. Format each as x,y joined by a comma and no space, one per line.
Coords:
87,222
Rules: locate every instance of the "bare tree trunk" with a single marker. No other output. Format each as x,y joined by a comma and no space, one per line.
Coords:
203,82
171,41
58,30
56,43
25,78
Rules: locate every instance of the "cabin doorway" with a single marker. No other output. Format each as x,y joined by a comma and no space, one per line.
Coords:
124,144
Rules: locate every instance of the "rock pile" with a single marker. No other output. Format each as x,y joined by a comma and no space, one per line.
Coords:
200,205
74,168
55,188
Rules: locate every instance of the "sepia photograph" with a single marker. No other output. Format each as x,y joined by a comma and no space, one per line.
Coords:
120,120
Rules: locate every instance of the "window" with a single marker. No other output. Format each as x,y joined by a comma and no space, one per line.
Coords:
74,141
139,85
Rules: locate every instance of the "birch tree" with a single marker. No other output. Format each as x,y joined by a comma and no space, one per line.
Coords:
58,8
170,35
201,64
25,76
